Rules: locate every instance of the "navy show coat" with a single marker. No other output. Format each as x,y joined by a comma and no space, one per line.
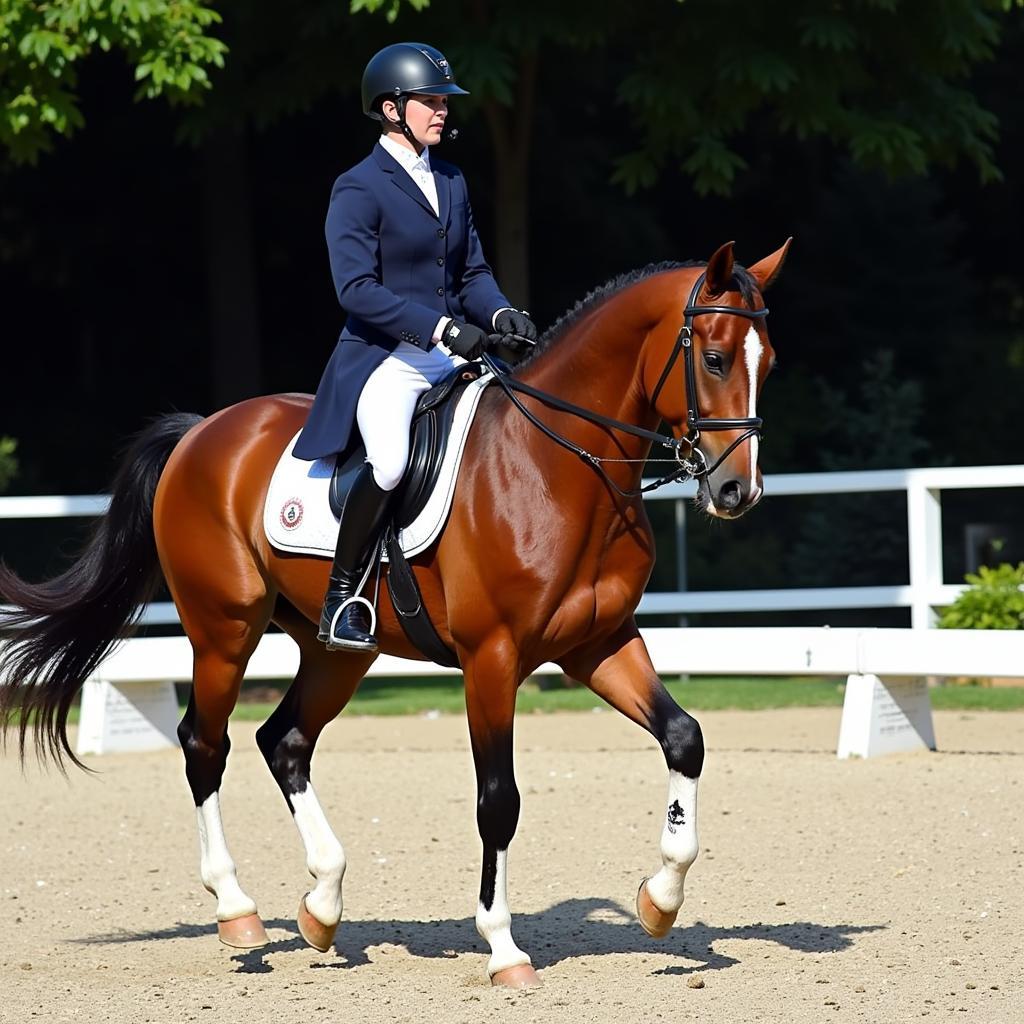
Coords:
398,268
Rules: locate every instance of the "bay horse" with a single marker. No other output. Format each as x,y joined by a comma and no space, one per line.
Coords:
544,558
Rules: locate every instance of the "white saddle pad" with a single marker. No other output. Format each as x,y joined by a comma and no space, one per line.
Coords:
297,516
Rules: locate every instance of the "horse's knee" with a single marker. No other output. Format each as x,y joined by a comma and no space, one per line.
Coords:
683,744
497,811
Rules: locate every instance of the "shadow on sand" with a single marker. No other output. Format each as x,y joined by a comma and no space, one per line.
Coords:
572,928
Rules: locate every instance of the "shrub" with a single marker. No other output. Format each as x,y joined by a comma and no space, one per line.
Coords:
8,463
994,600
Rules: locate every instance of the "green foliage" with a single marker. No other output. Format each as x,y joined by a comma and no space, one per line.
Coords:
8,463
43,44
887,81
389,7
994,600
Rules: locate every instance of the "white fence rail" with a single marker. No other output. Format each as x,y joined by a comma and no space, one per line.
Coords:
130,704
922,593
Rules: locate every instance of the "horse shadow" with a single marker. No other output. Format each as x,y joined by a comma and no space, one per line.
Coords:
574,927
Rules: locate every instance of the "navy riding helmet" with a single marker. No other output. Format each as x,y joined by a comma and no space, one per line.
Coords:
404,68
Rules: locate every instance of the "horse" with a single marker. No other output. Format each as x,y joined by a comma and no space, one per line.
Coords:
544,558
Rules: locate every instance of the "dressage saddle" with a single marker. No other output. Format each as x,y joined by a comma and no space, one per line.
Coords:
431,429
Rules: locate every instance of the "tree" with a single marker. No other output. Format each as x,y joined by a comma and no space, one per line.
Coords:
42,46
887,81
884,80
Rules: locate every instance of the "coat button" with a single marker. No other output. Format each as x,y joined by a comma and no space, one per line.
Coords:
440,261
440,291
440,232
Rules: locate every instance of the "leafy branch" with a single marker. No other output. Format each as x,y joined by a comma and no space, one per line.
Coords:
42,46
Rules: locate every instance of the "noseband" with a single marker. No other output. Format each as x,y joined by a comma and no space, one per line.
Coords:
689,464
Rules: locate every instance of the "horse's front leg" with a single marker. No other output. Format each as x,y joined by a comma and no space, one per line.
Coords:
491,675
619,670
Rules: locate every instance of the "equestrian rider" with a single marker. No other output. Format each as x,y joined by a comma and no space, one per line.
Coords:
410,273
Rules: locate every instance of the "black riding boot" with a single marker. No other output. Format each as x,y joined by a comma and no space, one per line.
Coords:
362,520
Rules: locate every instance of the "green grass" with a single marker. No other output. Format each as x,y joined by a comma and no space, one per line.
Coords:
379,696
978,698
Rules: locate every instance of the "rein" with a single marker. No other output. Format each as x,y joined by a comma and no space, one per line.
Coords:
691,465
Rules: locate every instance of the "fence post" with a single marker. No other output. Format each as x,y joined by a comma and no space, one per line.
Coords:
924,536
681,571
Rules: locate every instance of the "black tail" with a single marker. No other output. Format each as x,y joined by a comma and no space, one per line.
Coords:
66,626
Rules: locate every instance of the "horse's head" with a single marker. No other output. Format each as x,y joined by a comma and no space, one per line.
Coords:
703,376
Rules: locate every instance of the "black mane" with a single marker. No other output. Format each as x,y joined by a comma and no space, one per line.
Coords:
741,281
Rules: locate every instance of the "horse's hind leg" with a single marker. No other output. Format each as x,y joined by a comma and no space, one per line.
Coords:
216,680
620,671
323,686
225,608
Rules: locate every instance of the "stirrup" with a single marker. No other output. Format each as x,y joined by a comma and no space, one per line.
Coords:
347,645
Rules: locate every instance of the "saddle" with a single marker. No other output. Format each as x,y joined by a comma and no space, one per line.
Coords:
430,431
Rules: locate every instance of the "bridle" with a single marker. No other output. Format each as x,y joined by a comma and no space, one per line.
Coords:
689,464
695,423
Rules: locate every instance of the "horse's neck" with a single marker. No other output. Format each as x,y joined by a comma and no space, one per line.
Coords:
597,364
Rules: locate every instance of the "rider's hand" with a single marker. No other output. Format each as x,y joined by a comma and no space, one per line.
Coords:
464,339
512,321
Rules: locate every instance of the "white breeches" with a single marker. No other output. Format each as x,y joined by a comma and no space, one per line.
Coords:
387,402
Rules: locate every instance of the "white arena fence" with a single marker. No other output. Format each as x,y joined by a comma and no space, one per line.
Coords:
129,704
922,593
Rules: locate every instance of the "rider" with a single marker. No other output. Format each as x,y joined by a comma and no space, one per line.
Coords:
410,274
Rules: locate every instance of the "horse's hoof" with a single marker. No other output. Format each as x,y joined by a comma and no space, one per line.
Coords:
319,936
243,932
655,922
520,976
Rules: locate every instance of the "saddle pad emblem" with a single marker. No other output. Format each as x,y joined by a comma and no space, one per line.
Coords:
291,514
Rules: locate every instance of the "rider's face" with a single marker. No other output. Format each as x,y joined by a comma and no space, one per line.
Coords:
425,116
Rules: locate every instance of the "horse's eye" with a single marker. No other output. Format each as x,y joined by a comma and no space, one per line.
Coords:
713,361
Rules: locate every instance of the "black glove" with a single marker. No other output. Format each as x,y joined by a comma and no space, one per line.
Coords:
512,321
464,339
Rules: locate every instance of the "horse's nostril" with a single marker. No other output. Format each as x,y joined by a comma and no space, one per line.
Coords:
730,495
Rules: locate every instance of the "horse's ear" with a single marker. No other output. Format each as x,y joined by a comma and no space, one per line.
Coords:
716,277
767,270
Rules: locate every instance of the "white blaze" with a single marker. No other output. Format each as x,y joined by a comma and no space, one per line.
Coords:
752,349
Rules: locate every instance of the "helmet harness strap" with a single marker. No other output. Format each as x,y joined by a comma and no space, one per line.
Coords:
400,101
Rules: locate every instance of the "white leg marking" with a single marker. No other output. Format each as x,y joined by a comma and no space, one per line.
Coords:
325,857
679,844
216,868
752,349
495,925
